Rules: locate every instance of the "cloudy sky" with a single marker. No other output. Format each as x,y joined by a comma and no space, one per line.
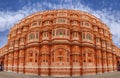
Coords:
11,11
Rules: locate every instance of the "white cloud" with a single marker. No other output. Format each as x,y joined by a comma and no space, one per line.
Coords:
111,18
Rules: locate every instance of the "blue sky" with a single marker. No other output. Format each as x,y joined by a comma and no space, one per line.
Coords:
12,11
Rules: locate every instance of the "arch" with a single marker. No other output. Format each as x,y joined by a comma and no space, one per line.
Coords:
88,55
60,47
31,36
60,55
34,24
31,55
61,20
76,49
44,49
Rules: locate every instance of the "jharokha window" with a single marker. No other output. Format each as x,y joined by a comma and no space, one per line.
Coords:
31,36
103,43
47,23
68,32
85,24
34,24
75,36
60,32
61,20
53,32
97,40
83,35
87,36
45,35
74,23
37,35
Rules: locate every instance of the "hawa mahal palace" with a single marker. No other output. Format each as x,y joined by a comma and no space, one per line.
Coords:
60,43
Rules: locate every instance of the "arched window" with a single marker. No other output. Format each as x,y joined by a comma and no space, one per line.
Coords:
47,23
75,35
32,56
60,32
103,43
83,35
89,36
61,20
68,32
53,32
31,36
85,24
74,23
60,56
95,28
37,35
97,40
45,35
34,36
34,24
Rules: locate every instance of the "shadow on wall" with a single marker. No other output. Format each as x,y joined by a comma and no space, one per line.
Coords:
1,66
118,65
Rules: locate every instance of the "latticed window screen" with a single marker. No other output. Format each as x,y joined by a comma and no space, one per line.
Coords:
60,32
83,35
34,24
89,36
37,35
31,36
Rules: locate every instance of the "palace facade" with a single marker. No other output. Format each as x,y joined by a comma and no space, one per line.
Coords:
60,43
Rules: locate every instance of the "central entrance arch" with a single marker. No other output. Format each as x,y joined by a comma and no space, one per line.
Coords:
60,56
60,61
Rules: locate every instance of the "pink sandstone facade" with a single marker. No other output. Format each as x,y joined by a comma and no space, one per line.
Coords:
60,43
